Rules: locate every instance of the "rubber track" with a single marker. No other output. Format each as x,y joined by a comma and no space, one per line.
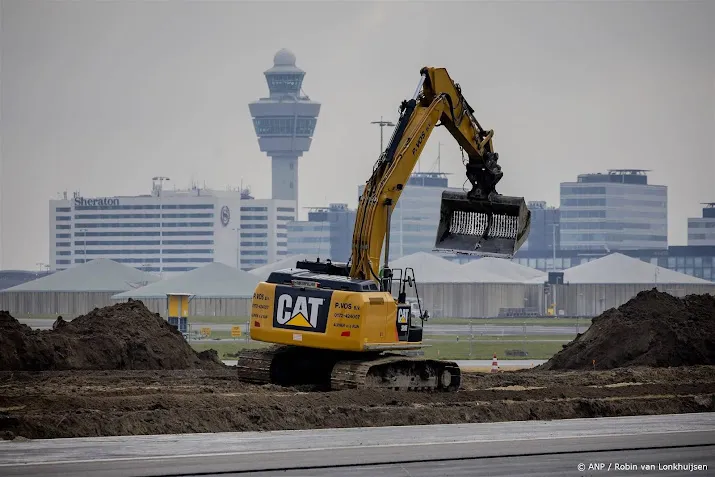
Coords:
352,374
254,366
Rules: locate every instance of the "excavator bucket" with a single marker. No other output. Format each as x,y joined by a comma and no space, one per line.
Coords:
494,228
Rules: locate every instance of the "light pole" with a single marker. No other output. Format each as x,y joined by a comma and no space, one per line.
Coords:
160,191
382,124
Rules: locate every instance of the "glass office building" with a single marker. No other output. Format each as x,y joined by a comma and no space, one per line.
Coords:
701,230
618,210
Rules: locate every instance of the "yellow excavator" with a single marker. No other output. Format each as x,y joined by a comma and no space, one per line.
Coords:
338,325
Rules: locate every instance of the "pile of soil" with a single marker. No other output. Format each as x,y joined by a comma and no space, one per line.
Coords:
121,336
652,329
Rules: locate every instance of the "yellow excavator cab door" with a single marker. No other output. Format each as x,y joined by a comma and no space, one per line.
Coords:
495,227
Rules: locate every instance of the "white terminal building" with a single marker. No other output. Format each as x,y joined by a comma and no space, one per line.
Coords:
169,231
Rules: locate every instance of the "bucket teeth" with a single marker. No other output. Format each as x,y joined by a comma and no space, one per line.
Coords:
488,227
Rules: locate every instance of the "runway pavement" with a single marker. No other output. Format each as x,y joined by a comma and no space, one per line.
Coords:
536,448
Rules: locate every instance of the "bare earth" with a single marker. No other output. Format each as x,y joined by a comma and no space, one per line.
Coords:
52,404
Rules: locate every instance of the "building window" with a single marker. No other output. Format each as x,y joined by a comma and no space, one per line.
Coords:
254,209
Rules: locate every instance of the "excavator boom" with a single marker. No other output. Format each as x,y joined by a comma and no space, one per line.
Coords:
477,222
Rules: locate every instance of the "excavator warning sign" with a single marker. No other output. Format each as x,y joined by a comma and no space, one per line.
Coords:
235,332
304,310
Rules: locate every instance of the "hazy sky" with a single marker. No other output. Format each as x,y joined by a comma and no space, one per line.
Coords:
101,96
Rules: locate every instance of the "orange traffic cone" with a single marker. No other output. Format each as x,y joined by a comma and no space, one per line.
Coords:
495,365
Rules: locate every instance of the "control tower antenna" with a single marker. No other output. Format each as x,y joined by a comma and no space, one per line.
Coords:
284,123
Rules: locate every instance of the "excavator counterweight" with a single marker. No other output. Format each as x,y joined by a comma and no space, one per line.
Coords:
495,227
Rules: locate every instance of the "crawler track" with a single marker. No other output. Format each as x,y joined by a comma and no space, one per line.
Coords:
336,370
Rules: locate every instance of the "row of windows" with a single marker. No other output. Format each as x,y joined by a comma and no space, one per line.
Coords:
604,226
179,251
285,217
308,228
254,217
701,236
298,240
701,225
92,225
614,190
576,237
63,218
611,202
254,234
565,190
254,244
282,244
285,209
254,209
618,202
81,243
583,202
254,252
284,83
165,233
209,215
583,214
254,226
601,214
284,126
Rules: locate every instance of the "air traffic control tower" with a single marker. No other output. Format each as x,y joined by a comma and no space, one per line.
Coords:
284,123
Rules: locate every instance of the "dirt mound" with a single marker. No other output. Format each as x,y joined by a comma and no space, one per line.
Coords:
651,329
122,336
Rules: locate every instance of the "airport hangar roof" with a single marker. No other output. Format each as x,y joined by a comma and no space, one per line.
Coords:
215,280
100,275
617,268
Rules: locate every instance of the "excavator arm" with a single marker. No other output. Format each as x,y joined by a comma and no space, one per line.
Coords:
478,222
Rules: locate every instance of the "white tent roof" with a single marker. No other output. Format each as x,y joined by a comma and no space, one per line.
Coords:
101,275
215,280
488,266
430,268
619,268
287,262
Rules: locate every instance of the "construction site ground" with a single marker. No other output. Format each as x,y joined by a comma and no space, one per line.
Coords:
122,370
51,404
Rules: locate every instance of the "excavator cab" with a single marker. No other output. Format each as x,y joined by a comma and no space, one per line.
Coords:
494,227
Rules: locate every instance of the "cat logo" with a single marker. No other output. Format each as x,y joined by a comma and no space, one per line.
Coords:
304,310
